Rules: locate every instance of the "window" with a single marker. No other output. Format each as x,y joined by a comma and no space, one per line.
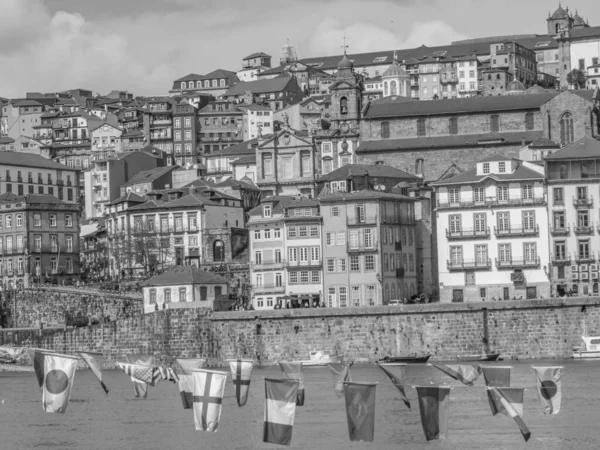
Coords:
267,234
182,295
331,297
302,231
456,257
292,232
8,221
453,196
167,295
479,220
529,251
486,168
19,220
368,238
330,265
343,294
527,192
504,253
257,235
529,220
481,254
314,231
341,266
582,219
494,123
293,277
558,196
370,296
69,243
502,193
267,210
529,121
287,165
479,195
153,296
455,223
335,211
421,126
315,277
37,243
277,233
258,257
566,129
354,263
453,125
188,122
369,263
19,243
304,276
584,249
385,130
37,220
53,220
503,221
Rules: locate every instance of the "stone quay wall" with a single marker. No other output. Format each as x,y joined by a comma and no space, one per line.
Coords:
530,329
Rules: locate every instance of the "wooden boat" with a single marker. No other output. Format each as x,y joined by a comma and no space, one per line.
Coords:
591,349
318,358
484,357
415,359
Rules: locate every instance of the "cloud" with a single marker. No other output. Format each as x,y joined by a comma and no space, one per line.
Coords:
361,37
21,22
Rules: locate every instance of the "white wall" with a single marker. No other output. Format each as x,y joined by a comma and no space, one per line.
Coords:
584,50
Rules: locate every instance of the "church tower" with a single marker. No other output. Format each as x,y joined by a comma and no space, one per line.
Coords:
395,80
559,21
346,96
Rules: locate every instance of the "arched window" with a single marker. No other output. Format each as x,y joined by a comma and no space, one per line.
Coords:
198,84
343,105
218,251
566,129
385,89
557,28
393,88
183,85
385,130
206,83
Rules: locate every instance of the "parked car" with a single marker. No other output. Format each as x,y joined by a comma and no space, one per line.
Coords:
395,303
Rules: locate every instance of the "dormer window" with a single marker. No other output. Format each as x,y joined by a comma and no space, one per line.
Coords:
486,168
502,167
267,211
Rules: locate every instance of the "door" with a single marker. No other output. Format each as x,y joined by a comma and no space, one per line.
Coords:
531,293
218,251
218,290
457,296
506,293
203,293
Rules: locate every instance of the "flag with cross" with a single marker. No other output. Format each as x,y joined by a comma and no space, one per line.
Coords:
241,372
209,386
185,369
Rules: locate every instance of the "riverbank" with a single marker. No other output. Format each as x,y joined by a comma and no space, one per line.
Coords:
15,368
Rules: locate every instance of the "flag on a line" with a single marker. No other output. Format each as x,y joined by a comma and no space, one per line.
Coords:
94,362
36,357
498,376
293,370
509,401
209,386
59,371
360,410
433,406
185,368
139,374
339,373
241,373
165,373
280,409
140,388
395,372
466,374
549,388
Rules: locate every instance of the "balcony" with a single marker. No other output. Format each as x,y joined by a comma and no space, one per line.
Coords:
518,264
268,289
583,202
517,232
583,230
159,122
268,265
307,264
561,259
218,171
589,257
493,201
560,231
361,221
468,233
469,264
356,248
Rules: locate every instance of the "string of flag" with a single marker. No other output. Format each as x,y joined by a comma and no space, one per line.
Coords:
202,390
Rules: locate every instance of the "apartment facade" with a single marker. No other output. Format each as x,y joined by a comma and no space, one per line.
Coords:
491,232
221,125
185,127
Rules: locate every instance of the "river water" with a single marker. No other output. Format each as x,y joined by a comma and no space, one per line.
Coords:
119,421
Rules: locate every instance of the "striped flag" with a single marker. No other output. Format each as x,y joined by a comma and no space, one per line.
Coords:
549,388
140,388
59,371
433,406
94,362
209,386
293,370
395,372
360,410
509,401
138,374
496,376
241,372
466,374
339,373
165,373
186,379
280,409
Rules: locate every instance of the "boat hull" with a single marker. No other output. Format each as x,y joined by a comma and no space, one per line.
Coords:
406,359
488,357
586,354
321,362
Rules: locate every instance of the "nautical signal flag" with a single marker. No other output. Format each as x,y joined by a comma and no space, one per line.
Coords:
59,371
395,372
293,370
360,410
339,373
549,388
140,388
209,386
36,357
466,374
139,374
185,369
280,410
509,401
433,406
94,362
241,372
496,376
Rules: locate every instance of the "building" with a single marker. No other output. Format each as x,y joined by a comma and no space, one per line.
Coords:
593,75
396,80
185,287
573,187
102,183
158,124
358,177
490,242
252,65
369,248
467,70
303,116
133,140
7,144
19,117
258,121
221,125
173,227
538,150
219,164
106,140
94,251
517,60
40,240
185,129
24,173
214,83
244,168
373,89
276,93
149,180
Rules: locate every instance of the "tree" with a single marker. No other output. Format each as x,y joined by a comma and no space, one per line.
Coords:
576,78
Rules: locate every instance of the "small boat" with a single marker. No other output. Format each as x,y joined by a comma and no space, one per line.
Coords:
415,359
484,357
590,350
318,358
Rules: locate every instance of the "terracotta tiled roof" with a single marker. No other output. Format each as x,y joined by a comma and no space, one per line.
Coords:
587,147
470,176
374,170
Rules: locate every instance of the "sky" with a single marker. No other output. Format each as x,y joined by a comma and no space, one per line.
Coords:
143,45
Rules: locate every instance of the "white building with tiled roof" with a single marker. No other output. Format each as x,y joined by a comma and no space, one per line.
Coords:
492,234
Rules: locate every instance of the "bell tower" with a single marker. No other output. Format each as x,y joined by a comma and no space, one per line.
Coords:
346,95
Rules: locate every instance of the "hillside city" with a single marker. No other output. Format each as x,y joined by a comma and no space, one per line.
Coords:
456,173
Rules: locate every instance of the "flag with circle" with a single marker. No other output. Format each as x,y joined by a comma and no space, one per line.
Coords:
549,388
59,372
